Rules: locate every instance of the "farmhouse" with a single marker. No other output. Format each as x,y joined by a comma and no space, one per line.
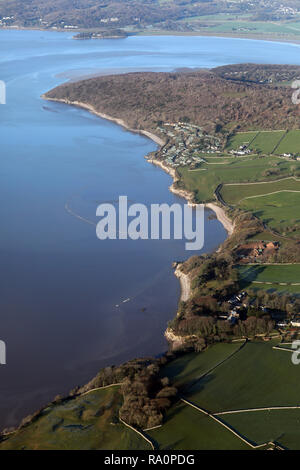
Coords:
256,250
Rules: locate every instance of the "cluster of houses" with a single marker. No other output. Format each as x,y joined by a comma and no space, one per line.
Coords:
240,302
6,20
60,25
291,155
70,26
185,144
245,150
237,303
242,150
294,322
287,11
109,20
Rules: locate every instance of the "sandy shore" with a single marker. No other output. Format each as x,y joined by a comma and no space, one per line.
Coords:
185,284
175,341
222,217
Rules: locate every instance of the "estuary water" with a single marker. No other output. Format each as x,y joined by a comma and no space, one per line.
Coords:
59,285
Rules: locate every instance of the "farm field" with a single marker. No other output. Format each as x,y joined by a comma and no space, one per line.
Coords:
82,423
229,23
279,211
241,170
256,376
188,429
237,376
274,274
264,426
266,236
286,346
234,194
219,160
241,138
187,368
266,142
290,143
256,27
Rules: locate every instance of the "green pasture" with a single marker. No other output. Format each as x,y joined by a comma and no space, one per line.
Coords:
241,138
279,211
237,376
233,194
187,368
257,376
275,274
266,142
240,170
282,426
188,429
290,143
256,27
271,273
89,422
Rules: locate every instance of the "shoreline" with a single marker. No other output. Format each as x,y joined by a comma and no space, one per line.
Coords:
188,195
220,213
118,121
185,283
222,217
258,37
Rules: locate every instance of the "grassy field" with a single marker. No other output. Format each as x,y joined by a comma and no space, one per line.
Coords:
83,423
241,138
282,426
188,429
275,274
267,142
220,160
255,376
234,194
189,367
290,143
279,211
272,273
240,170
236,377
281,289
254,27
266,236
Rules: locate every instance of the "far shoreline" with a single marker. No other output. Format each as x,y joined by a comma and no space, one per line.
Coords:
224,35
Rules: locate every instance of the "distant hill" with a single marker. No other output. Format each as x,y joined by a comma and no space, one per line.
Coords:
135,13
